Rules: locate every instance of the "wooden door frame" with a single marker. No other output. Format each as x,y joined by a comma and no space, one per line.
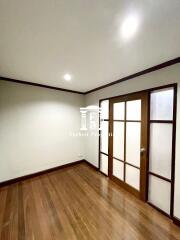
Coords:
173,156
148,91
144,140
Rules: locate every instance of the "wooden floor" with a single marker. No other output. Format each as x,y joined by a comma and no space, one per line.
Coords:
78,203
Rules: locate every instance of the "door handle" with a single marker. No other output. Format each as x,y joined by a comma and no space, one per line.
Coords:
142,150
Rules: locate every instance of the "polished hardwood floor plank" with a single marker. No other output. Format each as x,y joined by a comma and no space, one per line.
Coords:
44,221
135,212
3,199
75,210
21,222
32,223
58,210
9,228
78,203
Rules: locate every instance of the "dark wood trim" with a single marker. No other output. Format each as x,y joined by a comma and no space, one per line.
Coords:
173,122
173,151
38,85
162,121
134,121
104,153
144,142
127,97
118,159
114,120
148,144
159,210
91,165
110,141
148,70
22,178
176,221
105,175
19,179
125,186
132,165
141,91
159,176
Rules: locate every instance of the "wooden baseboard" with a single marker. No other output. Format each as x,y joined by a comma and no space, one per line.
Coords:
15,180
103,173
22,178
125,186
176,221
91,165
159,210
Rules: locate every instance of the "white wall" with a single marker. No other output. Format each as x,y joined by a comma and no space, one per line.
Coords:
35,124
154,79
34,129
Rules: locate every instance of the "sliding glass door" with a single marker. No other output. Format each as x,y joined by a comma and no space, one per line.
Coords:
137,144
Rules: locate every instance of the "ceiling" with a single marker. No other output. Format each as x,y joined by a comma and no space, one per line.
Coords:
41,40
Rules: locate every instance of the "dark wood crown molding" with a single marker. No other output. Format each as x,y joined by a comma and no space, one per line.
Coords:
148,70
143,72
38,85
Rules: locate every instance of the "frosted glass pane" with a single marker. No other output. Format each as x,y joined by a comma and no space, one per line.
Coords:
133,143
105,109
118,140
104,164
133,110
118,111
159,193
104,136
160,149
162,104
118,169
133,177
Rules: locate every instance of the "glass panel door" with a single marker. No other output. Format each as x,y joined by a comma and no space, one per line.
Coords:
129,123
128,144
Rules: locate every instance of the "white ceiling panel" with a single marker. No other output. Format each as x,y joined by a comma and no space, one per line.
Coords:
41,40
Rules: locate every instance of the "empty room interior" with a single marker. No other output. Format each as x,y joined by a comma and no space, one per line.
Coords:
90,120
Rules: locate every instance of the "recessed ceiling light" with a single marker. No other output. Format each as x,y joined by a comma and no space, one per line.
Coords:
67,77
129,26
